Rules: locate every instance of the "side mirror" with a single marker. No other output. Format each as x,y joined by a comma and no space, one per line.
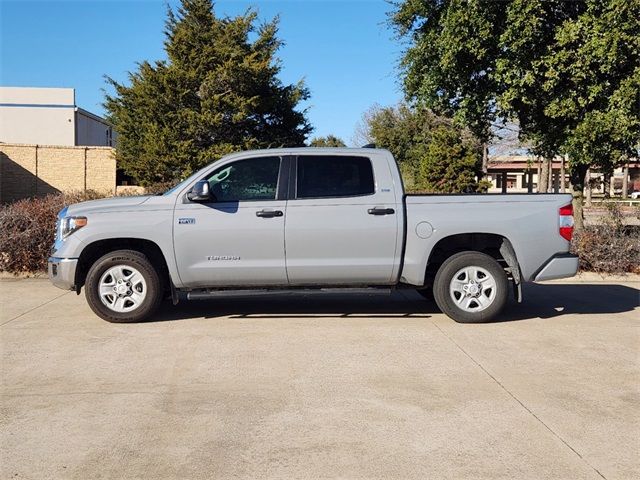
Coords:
200,192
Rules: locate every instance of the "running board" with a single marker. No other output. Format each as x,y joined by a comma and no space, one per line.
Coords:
207,294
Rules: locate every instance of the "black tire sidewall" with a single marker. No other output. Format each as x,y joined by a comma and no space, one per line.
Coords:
443,279
128,258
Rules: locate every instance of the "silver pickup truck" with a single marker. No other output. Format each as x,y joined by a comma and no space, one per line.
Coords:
311,220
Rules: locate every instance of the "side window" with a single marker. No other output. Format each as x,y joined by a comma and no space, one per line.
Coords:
334,176
250,179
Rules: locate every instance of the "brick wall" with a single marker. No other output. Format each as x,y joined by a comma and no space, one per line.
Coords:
34,170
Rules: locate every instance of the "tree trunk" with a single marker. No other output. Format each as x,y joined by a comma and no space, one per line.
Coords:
578,178
485,160
543,180
612,186
625,181
606,189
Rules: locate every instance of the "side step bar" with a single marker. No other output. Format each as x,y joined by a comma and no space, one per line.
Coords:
207,294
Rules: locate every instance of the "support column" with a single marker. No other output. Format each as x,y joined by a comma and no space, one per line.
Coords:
588,185
563,174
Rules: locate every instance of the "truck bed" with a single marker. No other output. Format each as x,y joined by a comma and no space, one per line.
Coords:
529,221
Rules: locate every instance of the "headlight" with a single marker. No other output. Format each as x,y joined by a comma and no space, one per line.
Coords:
68,225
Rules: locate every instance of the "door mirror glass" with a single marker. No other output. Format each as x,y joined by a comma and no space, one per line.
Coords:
200,192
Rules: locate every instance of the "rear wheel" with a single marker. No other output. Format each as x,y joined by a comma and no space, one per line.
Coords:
471,287
123,286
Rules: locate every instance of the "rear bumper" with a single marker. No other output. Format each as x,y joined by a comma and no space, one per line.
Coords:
62,272
561,265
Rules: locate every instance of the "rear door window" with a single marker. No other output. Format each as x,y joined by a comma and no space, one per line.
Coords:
322,176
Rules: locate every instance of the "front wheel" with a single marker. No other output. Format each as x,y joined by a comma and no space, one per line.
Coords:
471,287
123,286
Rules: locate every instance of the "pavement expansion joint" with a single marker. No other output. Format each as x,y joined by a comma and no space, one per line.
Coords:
34,308
512,395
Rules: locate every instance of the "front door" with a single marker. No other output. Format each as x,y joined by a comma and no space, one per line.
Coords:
238,238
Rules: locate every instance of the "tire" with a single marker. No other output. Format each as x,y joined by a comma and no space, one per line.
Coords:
123,287
471,287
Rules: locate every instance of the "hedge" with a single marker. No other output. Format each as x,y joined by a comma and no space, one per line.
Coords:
27,230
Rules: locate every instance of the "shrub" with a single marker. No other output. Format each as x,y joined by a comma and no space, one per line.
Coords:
27,230
159,187
610,246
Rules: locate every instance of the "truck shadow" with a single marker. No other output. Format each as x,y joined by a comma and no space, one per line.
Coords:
540,301
557,299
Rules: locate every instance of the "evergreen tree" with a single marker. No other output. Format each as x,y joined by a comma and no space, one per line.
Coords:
328,141
217,92
434,154
449,165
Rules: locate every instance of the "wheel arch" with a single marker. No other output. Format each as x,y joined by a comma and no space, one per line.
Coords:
495,245
98,248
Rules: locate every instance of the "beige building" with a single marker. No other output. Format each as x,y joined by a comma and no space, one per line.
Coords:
49,116
49,145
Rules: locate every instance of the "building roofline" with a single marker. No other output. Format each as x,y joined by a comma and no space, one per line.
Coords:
93,116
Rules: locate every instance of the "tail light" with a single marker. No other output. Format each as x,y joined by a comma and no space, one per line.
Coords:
566,222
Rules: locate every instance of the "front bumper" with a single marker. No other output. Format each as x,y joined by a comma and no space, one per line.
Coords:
62,272
561,265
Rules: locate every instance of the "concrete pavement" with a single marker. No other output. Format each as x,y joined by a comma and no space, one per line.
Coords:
322,387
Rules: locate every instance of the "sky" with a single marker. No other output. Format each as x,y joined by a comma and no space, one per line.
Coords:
344,50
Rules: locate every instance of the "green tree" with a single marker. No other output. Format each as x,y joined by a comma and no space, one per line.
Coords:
328,141
593,77
217,92
566,71
528,37
450,62
423,144
449,164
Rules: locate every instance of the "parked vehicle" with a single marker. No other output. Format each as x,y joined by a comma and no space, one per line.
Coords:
309,220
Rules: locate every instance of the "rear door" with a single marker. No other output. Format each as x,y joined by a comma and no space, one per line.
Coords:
342,223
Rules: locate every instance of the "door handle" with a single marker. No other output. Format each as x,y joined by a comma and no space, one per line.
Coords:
381,211
269,213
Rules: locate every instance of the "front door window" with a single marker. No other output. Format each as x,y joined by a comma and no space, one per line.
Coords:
246,180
